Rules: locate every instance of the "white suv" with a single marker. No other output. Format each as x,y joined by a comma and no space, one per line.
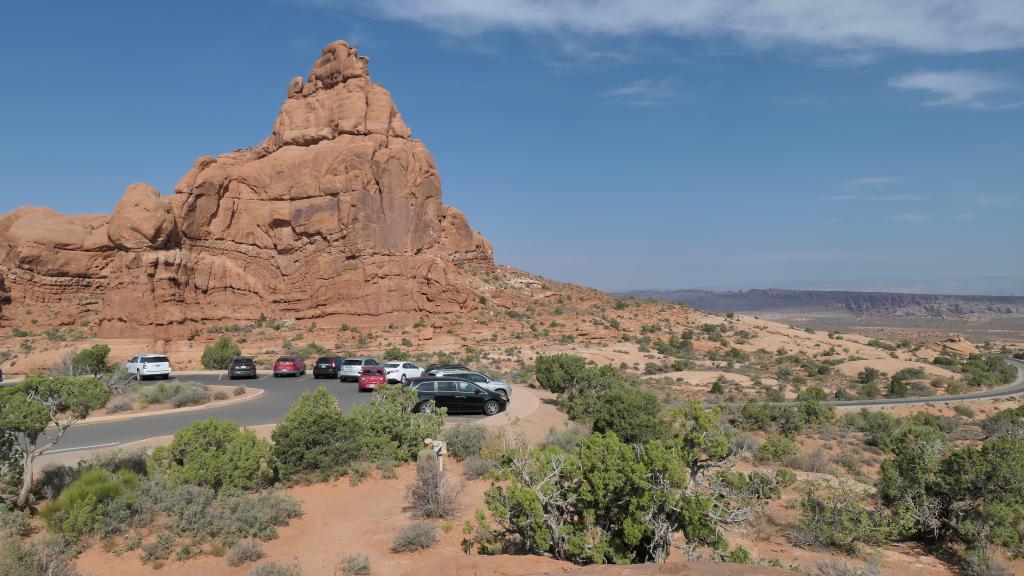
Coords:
402,371
146,365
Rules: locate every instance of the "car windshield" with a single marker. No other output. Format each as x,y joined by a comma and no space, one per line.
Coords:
286,359
155,359
392,365
325,360
243,362
353,362
374,372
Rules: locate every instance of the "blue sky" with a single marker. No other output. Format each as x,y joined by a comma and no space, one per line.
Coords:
619,144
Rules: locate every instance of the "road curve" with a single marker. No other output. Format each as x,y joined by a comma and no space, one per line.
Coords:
278,396
280,393
1015,387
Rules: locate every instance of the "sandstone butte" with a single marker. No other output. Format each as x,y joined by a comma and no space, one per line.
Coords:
336,213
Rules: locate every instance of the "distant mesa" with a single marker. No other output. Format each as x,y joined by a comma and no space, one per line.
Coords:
337,212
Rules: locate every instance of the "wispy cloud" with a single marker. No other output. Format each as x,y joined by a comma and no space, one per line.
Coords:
866,188
965,88
932,26
644,92
873,181
877,197
911,217
1000,200
965,216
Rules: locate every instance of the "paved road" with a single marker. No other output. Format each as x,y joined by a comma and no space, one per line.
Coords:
1015,387
279,394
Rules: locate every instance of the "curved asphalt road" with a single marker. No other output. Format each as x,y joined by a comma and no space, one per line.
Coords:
1015,387
279,394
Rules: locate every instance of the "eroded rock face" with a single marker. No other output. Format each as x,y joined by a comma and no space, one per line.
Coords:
337,212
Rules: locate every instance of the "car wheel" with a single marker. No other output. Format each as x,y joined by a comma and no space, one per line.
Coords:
503,394
491,407
405,381
425,408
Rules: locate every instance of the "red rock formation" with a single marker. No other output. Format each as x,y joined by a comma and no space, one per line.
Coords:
337,212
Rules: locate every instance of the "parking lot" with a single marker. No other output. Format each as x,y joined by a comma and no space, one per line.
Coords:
279,395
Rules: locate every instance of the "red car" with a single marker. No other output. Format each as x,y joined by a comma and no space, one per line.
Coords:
371,377
289,366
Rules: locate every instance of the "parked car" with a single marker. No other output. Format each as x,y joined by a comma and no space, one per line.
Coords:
502,388
327,367
241,367
456,396
149,365
402,371
352,367
371,377
434,368
1,376
289,366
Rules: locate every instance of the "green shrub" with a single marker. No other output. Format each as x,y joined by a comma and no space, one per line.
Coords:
53,556
79,509
634,415
978,562
418,536
558,372
166,392
159,549
868,375
834,516
92,360
390,429
218,356
466,440
785,477
314,439
395,353
216,454
243,552
775,448
739,555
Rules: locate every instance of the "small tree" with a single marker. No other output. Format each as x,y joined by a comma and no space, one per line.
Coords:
633,414
216,454
559,372
390,428
218,355
314,438
37,412
93,360
395,354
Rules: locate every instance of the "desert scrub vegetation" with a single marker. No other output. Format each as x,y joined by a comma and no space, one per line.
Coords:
216,454
418,536
217,356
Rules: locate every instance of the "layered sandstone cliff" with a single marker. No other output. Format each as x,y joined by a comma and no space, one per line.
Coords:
336,213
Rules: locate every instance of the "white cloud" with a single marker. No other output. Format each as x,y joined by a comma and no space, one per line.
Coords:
1000,201
934,26
912,217
874,181
643,92
956,87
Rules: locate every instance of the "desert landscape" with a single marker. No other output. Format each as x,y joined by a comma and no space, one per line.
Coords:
498,421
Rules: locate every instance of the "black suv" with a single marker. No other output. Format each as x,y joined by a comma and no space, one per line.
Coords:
241,368
456,395
450,367
327,367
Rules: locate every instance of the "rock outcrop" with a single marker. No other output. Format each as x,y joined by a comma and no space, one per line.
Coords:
336,213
